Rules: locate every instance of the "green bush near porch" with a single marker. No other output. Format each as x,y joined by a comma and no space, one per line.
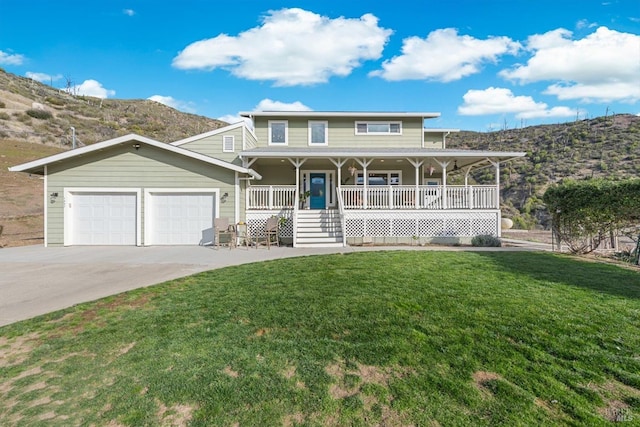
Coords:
369,338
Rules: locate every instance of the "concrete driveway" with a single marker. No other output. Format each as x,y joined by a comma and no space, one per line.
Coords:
35,280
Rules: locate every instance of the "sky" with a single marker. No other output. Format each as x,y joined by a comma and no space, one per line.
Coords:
484,65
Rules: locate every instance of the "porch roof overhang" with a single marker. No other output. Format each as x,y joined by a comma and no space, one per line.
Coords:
318,114
463,158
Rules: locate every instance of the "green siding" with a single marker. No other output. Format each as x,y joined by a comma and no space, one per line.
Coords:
124,167
212,146
342,132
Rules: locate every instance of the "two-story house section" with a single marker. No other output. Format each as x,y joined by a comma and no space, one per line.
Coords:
336,178
367,177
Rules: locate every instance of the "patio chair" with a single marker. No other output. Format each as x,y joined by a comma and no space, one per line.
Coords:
271,234
222,227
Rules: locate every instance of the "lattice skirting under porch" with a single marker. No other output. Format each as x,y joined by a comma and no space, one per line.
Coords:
257,220
421,223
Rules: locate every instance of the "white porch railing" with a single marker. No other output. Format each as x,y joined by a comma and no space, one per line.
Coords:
429,197
271,196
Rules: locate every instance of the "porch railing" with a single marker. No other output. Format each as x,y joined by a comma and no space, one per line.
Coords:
271,196
429,197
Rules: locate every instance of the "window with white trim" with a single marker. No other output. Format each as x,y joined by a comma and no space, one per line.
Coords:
278,132
228,144
318,132
380,178
378,128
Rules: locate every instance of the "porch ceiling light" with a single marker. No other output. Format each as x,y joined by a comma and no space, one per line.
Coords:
431,169
455,165
352,169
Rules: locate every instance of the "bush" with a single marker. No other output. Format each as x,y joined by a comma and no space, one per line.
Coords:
39,114
486,241
2,104
4,116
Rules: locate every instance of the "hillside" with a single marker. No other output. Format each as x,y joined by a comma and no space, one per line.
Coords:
34,112
601,147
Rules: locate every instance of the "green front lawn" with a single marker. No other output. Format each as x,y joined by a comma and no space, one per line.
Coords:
380,338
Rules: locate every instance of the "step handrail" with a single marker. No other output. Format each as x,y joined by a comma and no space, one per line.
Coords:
343,223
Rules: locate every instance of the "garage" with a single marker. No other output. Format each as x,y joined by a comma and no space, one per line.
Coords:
102,218
179,218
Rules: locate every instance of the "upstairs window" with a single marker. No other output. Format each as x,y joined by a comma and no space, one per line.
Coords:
378,128
228,143
318,133
278,132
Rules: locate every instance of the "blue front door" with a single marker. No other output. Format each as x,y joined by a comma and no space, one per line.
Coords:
318,198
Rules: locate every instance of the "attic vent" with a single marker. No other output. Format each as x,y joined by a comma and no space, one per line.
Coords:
228,143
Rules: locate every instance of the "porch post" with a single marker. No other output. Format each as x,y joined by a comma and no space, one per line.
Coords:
416,164
469,189
338,164
364,163
444,182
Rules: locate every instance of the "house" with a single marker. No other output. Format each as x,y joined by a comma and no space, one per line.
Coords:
337,178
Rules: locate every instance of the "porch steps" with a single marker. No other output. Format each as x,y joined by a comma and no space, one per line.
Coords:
319,228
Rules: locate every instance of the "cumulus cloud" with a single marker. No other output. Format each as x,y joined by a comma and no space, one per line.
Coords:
234,118
291,47
92,88
11,58
444,56
43,77
170,101
129,12
271,105
601,67
496,100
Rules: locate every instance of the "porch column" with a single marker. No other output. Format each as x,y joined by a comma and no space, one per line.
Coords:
297,163
496,165
444,182
364,163
416,164
469,189
338,163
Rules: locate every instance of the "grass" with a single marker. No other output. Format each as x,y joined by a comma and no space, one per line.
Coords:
380,338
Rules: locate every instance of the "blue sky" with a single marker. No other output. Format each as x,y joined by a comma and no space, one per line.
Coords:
483,64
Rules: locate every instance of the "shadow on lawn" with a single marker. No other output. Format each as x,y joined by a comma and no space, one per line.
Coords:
570,271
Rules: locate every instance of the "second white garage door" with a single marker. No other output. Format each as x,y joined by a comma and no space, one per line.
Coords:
180,218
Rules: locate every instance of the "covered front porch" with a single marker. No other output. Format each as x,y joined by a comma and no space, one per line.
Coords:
390,196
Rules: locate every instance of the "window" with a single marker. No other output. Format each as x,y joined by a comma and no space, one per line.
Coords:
378,128
278,132
318,133
228,143
380,178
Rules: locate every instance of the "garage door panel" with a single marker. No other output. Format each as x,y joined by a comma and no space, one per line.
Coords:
181,218
104,219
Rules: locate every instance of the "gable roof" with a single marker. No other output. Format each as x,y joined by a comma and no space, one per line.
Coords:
37,166
213,133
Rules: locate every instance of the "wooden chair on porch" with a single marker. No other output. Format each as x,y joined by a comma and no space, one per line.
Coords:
222,227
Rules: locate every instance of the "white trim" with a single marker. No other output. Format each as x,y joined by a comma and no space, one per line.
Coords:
326,133
369,122
328,189
46,206
364,114
224,144
286,132
148,195
68,213
236,188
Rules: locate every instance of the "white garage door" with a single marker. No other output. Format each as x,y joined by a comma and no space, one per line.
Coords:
181,219
103,219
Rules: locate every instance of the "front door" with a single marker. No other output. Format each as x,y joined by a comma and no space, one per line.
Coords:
318,198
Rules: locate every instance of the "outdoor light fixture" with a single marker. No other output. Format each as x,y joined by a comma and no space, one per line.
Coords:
223,199
431,169
352,169
136,146
52,197
455,165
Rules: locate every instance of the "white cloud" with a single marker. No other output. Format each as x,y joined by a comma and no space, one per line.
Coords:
11,58
231,119
601,67
444,56
170,101
291,47
129,12
496,100
92,88
43,77
271,105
